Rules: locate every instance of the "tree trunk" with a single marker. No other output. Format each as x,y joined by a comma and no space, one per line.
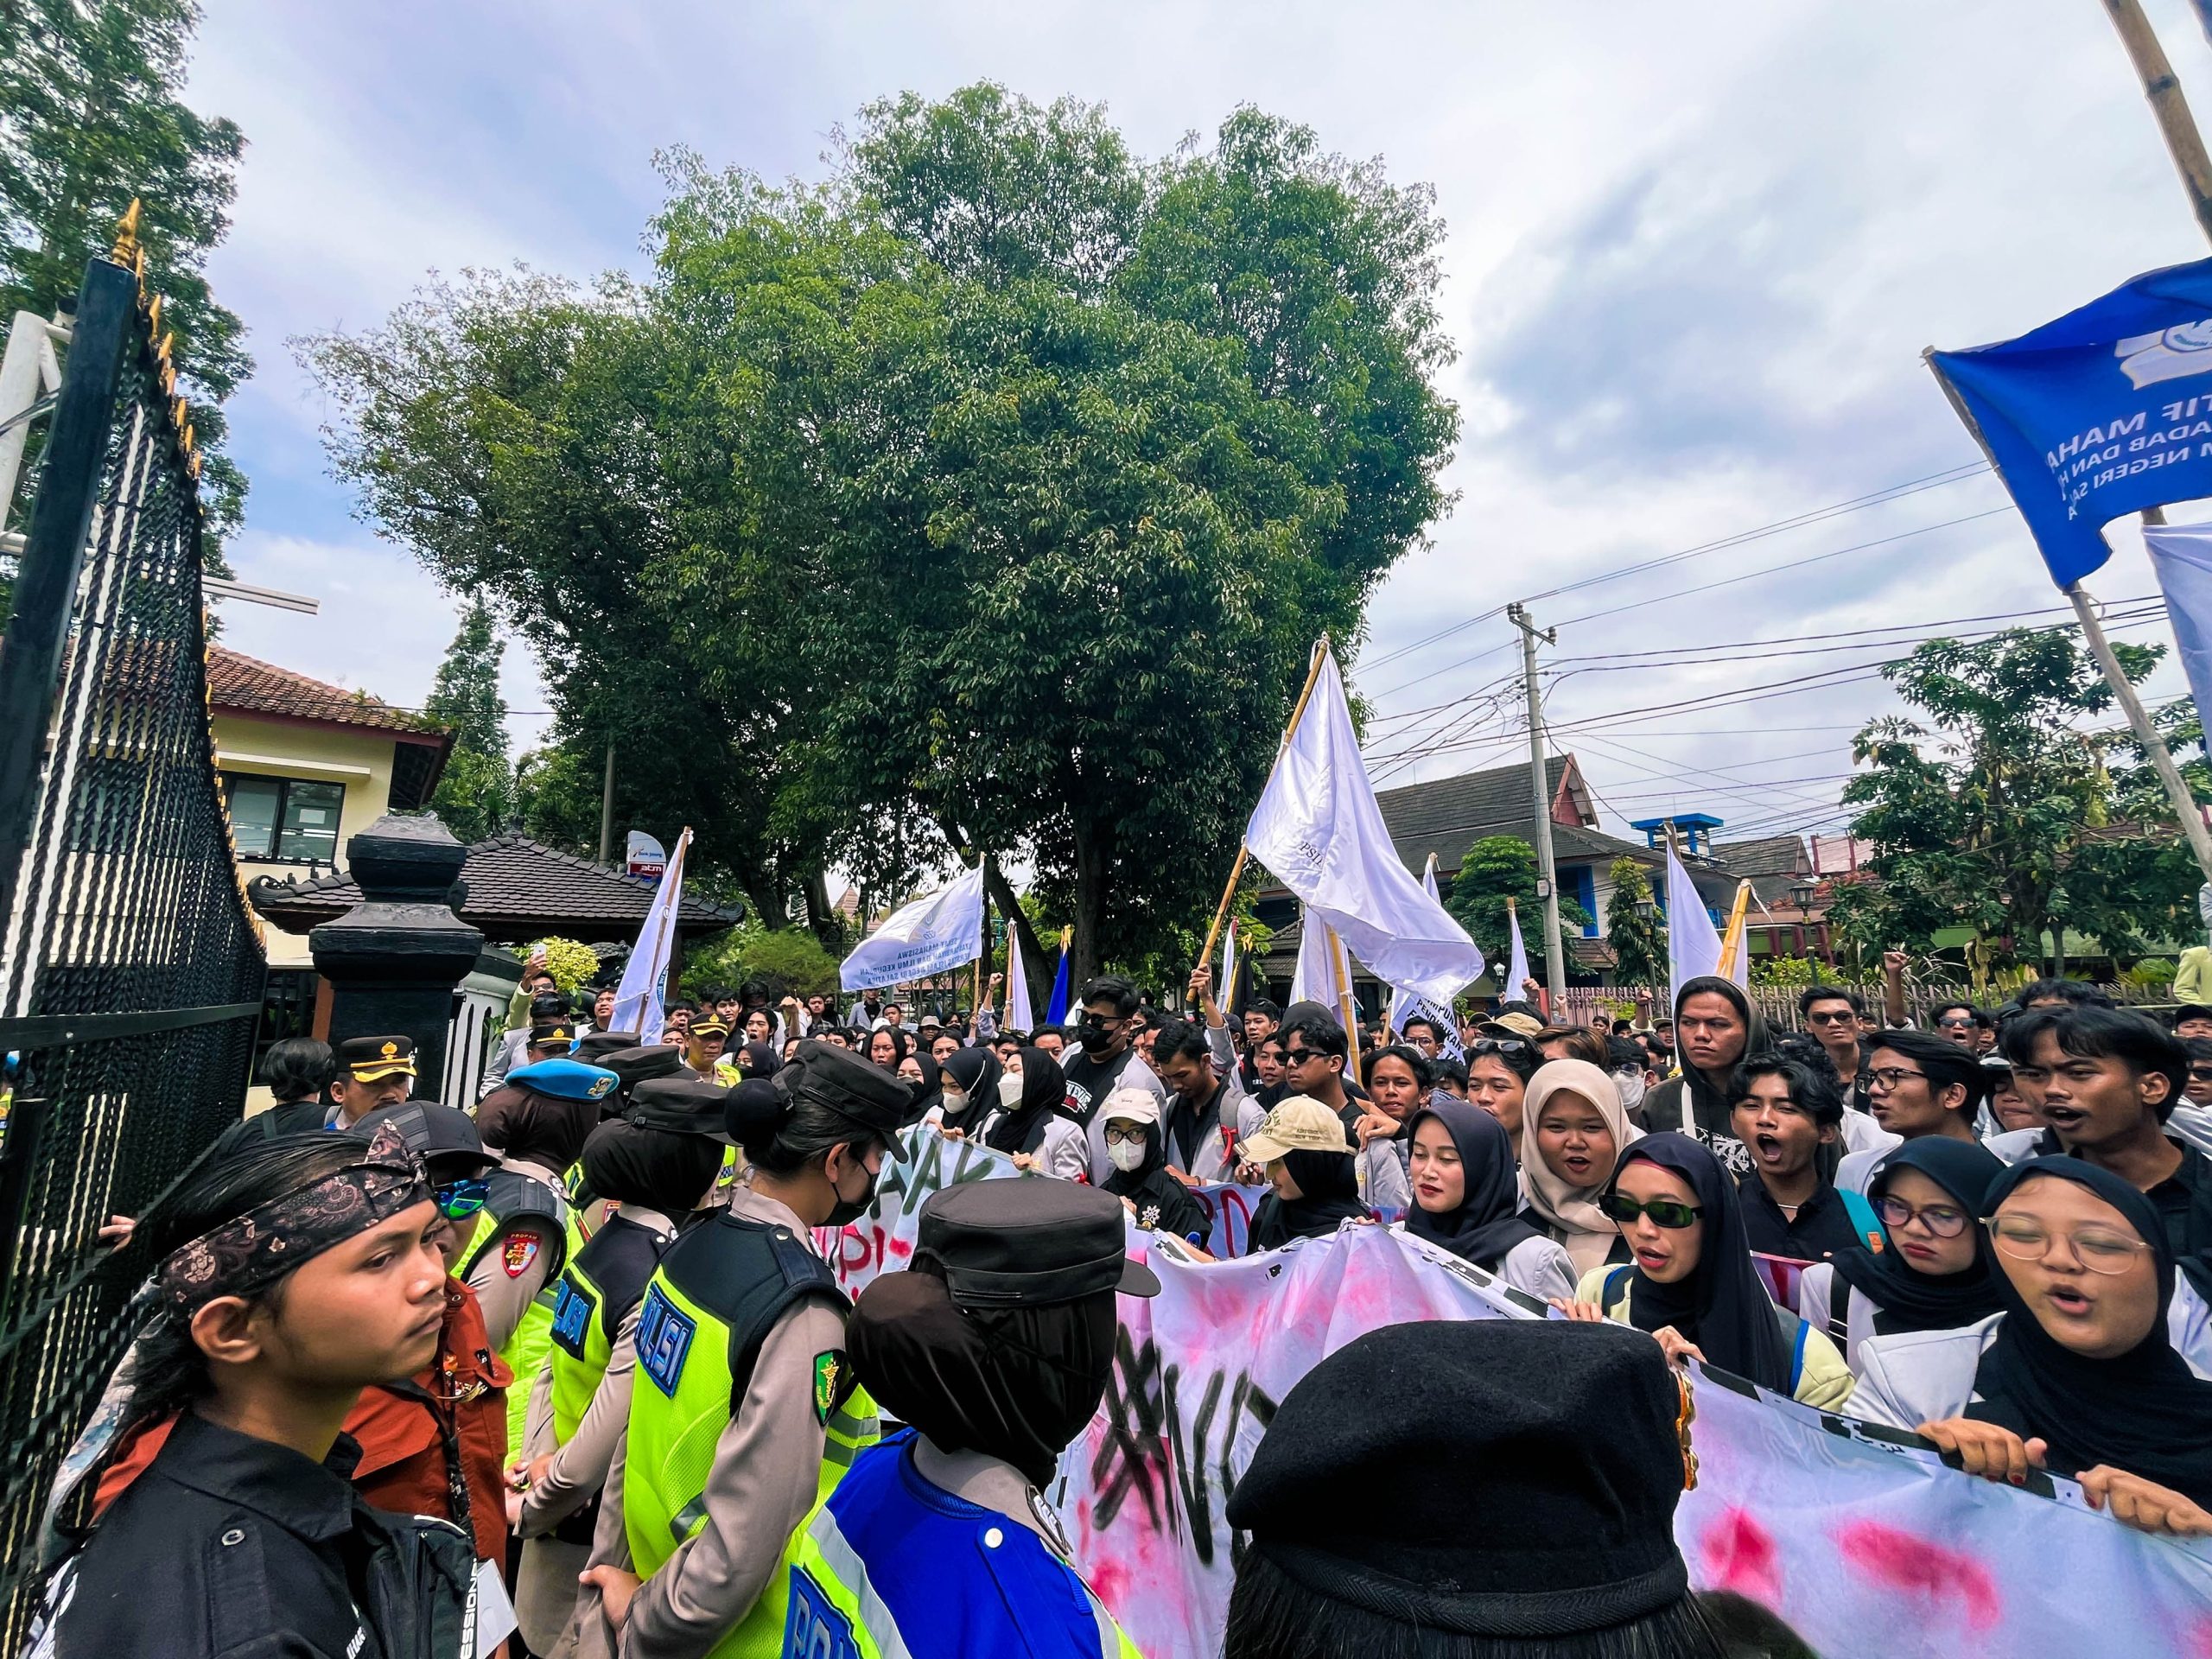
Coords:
1038,965
765,892
828,926
1093,855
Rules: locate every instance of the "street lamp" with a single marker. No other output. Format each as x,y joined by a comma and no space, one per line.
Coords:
1801,892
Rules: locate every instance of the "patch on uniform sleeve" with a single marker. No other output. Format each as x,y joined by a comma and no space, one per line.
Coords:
521,1252
828,1370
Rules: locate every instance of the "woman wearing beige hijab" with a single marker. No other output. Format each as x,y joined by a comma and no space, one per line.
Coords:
1573,1130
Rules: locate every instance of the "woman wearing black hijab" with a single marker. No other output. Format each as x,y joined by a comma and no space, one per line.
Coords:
1716,1024
757,1060
1138,1152
1310,1163
1692,1284
1467,1199
968,1086
1031,1123
2077,1372
1934,1274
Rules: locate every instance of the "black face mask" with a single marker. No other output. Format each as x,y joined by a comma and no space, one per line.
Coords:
848,1210
1094,1036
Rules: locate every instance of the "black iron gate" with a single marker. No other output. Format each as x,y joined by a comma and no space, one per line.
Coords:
130,966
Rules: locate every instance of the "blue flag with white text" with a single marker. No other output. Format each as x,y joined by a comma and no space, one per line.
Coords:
2105,411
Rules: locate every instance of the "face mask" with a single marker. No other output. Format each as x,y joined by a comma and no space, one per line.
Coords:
1125,1154
955,1101
1010,1091
1095,1039
851,1210
1630,1083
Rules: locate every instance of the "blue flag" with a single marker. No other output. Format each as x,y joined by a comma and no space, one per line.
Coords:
1057,1014
2106,411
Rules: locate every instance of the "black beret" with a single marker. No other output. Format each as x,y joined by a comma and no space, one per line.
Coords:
635,1066
1567,1459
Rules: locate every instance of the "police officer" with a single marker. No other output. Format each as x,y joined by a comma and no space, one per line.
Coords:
372,1071
995,1347
527,1227
744,1411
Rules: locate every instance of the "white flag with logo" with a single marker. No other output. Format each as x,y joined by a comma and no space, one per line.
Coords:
1318,831
1315,978
1693,943
937,931
2181,558
645,976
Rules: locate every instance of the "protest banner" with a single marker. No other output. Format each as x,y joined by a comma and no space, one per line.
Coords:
935,932
1857,1535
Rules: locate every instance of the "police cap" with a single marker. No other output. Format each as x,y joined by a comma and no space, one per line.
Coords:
445,1139
593,1044
1029,1244
368,1058
635,1065
681,1105
848,1085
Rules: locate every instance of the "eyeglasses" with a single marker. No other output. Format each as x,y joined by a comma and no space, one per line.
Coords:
1300,1056
1942,1220
2098,1248
1664,1212
1125,1137
1101,1022
2200,1074
1499,1046
459,1200
1846,1018
1955,1025
1889,1077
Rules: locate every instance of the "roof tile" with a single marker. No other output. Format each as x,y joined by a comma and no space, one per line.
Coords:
246,685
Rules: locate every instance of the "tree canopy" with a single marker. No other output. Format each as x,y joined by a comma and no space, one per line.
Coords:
1495,868
476,791
2005,805
986,498
91,118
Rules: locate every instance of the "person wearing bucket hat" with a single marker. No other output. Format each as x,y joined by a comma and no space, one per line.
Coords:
528,1226
1570,1448
752,1415
1309,1162
995,1348
657,1164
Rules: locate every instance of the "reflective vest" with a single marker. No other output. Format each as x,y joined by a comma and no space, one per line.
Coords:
717,1293
890,1565
515,1197
597,1291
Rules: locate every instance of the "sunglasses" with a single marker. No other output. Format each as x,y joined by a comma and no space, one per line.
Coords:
459,1200
1664,1212
1499,1046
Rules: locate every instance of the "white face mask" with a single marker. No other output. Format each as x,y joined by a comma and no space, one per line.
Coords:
1125,1154
1630,1083
955,1101
1010,1091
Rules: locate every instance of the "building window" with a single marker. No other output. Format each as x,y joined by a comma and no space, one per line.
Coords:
289,820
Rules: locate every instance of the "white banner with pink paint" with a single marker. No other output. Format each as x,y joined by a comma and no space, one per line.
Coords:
1859,1537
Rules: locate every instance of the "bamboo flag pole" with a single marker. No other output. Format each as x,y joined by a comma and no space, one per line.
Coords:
1344,1006
2163,90
1732,941
1236,870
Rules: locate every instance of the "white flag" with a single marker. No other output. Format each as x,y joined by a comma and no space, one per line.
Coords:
1225,991
645,976
1017,983
1315,978
937,931
2181,558
1318,831
1693,945
1405,1004
1516,973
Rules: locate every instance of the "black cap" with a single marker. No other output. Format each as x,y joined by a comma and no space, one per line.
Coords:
593,1044
1567,1447
635,1065
562,1031
369,1059
443,1138
1029,1244
682,1105
847,1084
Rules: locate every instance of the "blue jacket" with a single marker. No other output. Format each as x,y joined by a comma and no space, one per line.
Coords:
957,1580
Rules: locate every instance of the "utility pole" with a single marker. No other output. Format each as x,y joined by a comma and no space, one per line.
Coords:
606,811
1539,788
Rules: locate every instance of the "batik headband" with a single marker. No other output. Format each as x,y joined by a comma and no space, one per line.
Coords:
256,1250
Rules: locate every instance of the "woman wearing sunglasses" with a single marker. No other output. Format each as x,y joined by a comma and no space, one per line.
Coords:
1934,1272
2074,1373
1691,1283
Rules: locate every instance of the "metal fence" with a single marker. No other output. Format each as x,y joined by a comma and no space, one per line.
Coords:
130,967
1778,1003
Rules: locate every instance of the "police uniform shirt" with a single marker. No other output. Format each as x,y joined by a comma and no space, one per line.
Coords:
222,1541
766,1467
512,1270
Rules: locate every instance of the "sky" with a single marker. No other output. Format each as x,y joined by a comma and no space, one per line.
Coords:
1694,250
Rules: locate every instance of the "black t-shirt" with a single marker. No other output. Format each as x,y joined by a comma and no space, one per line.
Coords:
1822,1226
1090,1081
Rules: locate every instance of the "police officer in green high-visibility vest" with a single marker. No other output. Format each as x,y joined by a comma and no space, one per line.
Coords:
743,1413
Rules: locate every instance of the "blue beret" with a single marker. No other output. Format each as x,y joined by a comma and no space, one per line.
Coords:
565,1079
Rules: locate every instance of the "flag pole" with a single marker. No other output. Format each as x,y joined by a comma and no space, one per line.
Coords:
1344,1002
1236,870
2163,91
1731,942
2146,735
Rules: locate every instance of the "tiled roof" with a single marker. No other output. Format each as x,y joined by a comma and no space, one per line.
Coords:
517,889
1768,855
1447,816
246,685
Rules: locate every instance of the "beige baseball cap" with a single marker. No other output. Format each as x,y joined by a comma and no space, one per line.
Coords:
1300,1123
1510,1025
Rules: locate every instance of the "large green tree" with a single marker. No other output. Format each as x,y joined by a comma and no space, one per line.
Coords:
91,118
1495,868
1638,940
986,498
2006,803
476,792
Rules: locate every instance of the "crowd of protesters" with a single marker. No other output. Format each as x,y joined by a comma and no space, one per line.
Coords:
582,1336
